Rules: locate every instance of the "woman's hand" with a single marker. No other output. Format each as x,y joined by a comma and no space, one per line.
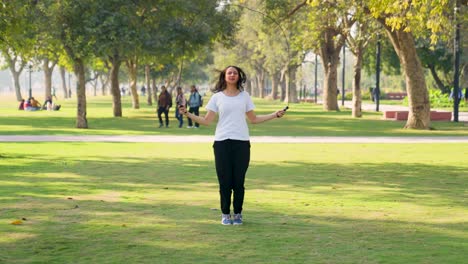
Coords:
280,113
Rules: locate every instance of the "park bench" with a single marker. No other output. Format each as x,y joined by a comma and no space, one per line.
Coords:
395,96
403,115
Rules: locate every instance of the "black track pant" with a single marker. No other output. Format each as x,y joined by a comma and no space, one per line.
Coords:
164,110
232,159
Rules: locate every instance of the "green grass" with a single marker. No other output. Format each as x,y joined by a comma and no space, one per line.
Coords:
305,203
301,120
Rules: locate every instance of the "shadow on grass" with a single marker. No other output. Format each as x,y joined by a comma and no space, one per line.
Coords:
141,210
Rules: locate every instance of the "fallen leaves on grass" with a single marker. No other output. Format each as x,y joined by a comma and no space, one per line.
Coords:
17,222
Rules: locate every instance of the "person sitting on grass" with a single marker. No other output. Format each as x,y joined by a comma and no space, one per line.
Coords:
47,105
33,105
21,105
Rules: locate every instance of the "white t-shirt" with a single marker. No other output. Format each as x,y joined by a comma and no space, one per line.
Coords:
232,123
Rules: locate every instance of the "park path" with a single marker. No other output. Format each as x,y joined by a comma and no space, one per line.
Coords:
462,116
254,139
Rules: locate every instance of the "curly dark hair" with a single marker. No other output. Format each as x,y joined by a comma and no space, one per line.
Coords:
221,84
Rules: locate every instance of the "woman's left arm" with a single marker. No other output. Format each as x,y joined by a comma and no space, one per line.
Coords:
255,119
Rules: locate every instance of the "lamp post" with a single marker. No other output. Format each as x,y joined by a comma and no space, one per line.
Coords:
376,92
30,86
456,66
343,76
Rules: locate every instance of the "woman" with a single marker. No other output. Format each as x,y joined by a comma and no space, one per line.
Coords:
194,104
164,103
180,101
232,145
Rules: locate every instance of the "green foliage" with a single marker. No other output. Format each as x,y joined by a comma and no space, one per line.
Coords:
422,17
389,62
439,99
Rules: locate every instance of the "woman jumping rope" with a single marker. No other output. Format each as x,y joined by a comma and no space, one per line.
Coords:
231,144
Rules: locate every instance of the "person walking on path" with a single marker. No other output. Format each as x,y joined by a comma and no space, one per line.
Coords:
194,103
232,141
164,103
180,101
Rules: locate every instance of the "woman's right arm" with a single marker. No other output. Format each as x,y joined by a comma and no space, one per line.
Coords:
204,120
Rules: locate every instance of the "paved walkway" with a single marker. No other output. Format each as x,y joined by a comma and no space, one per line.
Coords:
462,116
254,139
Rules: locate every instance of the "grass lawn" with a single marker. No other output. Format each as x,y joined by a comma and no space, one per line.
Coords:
305,203
302,120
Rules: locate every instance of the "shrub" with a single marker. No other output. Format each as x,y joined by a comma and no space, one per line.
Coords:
439,100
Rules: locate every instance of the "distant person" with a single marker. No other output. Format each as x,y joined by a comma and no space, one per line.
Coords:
69,93
375,94
53,93
143,90
466,95
194,103
47,104
231,144
164,103
122,91
21,105
452,95
180,101
50,105
33,105
27,104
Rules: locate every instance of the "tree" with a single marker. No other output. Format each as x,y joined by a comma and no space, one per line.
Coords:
403,20
73,23
325,31
358,39
16,37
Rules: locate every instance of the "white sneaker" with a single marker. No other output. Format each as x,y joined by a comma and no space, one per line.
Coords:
226,219
189,126
237,219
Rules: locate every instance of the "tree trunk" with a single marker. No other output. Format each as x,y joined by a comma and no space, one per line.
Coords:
132,65
283,85
330,54
81,121
253,86
274,86
155,90
418,96
94,82
104,78
261,84
115,87
437,80
64,82
291,86
248,87
148,85
15,74
48,76
357,97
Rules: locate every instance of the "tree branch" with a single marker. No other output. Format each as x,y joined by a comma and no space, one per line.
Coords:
299,6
